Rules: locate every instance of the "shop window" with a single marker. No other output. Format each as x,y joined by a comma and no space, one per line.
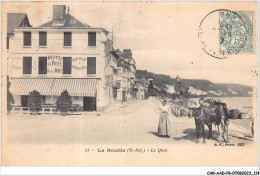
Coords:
27,38
91,65
27,65
43,99
42,38
42,67
67,38
66,65
92,39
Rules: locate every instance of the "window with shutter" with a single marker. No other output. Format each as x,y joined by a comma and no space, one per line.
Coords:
91,65
67,38
42,38
66,65
92,39
26,38
42,66
27,65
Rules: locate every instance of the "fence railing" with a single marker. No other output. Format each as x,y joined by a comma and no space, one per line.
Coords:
20,110
46,109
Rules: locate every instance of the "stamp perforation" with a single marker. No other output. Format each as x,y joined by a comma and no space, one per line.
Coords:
254,34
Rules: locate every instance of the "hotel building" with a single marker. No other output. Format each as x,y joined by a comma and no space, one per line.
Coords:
62,54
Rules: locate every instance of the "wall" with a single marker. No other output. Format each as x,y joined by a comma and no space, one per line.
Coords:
17,100
54,65
54,53
55,41
140,94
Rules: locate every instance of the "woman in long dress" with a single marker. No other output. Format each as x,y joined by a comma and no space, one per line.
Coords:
164,127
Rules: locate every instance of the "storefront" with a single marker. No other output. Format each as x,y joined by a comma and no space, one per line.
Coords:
83,91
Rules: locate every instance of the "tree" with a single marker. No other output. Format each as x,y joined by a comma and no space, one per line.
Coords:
34,101
10,98
64,102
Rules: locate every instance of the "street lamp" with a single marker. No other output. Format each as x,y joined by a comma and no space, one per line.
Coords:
178,79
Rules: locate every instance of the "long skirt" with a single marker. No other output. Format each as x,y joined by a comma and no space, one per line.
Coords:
164,127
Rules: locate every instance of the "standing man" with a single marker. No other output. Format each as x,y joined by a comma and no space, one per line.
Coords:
224,121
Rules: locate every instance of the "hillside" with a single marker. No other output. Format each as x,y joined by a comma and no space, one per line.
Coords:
195,87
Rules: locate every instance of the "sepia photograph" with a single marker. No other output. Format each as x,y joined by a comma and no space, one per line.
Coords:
129,83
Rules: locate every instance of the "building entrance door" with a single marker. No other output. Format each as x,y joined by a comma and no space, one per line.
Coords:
24,100
124,96
114,94
89,104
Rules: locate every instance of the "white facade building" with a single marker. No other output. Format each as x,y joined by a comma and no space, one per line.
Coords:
62,54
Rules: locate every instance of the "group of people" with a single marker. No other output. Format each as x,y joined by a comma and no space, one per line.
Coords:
165,128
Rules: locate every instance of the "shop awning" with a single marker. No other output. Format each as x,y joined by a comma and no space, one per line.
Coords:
54,86
76,87
22,86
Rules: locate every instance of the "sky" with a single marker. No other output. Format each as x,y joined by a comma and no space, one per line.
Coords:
163,36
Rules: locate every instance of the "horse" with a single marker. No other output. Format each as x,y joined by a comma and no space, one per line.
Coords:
200,120
222,118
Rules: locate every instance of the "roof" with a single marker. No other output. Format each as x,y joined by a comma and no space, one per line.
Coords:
70,21
15,20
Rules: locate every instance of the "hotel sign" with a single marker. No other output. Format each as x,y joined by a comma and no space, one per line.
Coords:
54,64
79,63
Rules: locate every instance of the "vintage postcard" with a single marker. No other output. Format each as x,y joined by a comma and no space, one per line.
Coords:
129,83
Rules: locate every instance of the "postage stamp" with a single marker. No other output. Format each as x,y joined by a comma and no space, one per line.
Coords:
248,19
224,33
232,32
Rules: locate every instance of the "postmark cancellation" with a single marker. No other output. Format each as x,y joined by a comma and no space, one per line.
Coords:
224,33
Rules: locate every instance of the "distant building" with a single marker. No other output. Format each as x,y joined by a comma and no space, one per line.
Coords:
62,54
131,74
126,75
14,20
142,91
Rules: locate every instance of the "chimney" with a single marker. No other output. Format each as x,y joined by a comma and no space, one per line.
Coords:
127,53
58,15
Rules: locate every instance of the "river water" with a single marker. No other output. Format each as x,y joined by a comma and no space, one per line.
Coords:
235,102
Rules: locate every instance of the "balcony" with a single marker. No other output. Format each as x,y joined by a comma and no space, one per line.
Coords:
116,84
